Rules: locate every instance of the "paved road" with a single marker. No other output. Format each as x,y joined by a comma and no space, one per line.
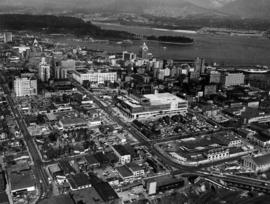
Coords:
145,141
39,171
136,133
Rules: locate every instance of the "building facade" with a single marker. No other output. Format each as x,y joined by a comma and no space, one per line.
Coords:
218,154
44,70
94,77
144,51
60,73
259,163
232,79
151,105
122,154
8,37
25,86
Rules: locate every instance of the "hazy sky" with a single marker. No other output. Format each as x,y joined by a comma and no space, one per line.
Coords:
98,2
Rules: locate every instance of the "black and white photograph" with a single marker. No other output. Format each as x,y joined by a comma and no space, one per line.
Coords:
134,101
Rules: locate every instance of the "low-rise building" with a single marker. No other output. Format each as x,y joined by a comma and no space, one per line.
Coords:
55,170
125,173
261,139
130,171
218,154
22,182
79,181
106,192
228,138
122,154
259,163
136,170
94,76
162,183
66,167
253,115
73,123
151,105
92,162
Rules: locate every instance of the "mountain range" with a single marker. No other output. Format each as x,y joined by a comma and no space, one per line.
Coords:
168,8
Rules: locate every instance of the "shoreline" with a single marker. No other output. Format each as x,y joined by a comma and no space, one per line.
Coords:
147,27
202,31
172,43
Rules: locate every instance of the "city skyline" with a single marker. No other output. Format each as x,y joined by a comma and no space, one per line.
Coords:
134,102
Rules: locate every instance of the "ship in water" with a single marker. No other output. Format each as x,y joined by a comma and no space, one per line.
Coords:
256,70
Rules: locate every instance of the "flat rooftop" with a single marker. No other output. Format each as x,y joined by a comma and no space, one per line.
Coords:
61,199
163,98
92,71
130,101
73,120
79,180
124,171
22,181
262,159
155,99
121,150
106,192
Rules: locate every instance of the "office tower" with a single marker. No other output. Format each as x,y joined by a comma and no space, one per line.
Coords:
25,86
215,77
60,73
232,79
44,70
199,65
144,51
7,37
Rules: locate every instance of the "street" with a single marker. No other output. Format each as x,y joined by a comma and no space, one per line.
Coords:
38,170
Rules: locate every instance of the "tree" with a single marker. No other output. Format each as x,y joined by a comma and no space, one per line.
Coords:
86,144
53,137
86,84
92,145
40,119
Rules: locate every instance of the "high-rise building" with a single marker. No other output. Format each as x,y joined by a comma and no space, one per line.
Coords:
158,64
7,37
161,74
60,72
232,79
215,77
128,56
199,65
44,70
174,72
167,72
144,51
65,66
25,86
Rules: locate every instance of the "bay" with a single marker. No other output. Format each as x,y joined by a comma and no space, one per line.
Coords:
223,49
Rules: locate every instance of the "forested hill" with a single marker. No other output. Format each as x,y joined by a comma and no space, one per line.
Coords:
57,24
